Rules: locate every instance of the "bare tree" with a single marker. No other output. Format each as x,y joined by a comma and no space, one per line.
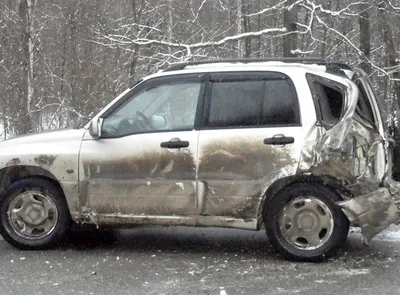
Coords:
289,41
365,36
393,65
60,61
26,14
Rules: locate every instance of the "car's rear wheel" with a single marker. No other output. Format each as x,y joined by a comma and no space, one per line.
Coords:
304,223
34,214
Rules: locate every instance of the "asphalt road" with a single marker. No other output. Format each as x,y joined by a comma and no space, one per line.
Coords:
180,260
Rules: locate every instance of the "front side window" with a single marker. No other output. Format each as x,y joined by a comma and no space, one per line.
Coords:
262,102
165,107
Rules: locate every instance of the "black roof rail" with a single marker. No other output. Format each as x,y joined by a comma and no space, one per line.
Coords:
312,60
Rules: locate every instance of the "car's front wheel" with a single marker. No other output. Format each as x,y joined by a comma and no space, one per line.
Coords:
304,223
33,214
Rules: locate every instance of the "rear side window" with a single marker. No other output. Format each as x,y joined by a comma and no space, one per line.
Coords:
236,103
280,104
265,102
329,100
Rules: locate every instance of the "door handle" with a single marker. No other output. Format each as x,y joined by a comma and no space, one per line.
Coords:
279,140
174,144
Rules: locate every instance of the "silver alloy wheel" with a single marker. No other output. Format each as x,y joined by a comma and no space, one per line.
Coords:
306,223
32,215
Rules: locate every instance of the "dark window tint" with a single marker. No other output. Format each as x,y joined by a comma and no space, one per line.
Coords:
236,103
280,104
330,102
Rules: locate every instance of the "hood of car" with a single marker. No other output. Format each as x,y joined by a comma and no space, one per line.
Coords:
53,137
27,149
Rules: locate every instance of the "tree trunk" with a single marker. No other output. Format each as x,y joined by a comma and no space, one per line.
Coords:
30,81
258,39
133,63
170,25
391,54
246,28
365,37
26,8
239,22
289,41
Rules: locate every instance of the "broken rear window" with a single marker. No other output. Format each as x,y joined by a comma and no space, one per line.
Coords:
329,100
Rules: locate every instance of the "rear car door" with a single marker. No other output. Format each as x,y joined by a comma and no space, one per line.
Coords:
251,135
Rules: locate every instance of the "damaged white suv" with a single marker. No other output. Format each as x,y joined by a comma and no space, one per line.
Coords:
296,145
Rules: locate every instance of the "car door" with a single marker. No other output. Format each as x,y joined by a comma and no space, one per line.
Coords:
144,161
251,135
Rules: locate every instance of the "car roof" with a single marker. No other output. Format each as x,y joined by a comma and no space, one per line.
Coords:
335,69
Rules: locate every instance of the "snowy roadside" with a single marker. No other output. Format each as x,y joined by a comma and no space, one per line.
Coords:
390,234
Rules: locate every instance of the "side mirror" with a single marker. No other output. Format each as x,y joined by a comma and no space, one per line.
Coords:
95,128
159,122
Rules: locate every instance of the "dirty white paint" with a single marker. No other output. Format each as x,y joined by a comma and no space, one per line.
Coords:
180,184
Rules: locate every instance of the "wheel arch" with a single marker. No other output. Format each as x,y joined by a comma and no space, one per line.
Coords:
327,180
11,174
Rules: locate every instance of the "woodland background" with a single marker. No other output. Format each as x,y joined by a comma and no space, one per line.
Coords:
61,61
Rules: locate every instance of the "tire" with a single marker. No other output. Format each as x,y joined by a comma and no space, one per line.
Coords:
33,214
304,223
395,132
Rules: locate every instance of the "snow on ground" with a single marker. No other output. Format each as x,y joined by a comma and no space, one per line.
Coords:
390,234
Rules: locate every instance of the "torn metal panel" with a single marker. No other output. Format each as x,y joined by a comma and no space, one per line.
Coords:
373,212
347,148
352,151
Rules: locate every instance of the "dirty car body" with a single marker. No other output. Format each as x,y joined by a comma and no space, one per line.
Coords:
213,145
